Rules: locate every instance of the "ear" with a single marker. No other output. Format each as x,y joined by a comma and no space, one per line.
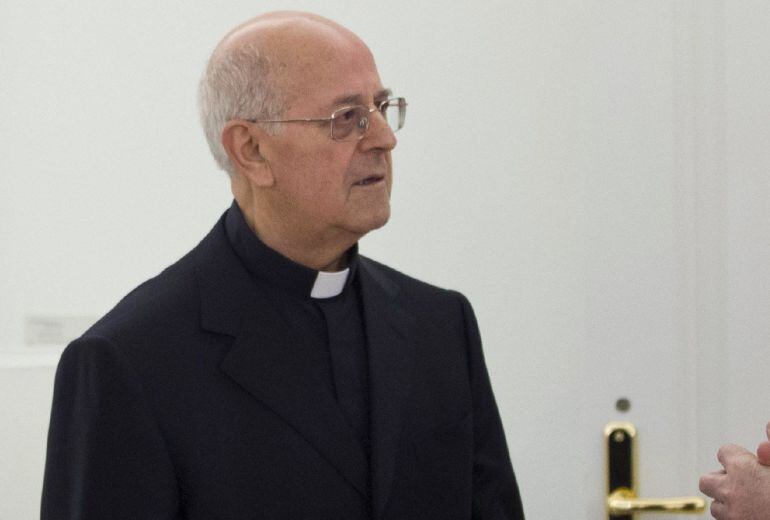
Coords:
241,140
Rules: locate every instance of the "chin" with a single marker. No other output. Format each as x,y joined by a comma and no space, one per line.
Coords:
373,222
379,223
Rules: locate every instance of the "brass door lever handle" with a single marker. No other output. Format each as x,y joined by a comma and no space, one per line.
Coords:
623,501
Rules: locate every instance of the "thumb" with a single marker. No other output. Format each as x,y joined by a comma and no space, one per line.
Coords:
763,453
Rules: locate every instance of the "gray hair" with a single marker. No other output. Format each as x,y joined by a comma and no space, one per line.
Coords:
237,84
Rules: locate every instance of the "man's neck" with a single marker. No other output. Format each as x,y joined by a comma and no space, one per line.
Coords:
321,253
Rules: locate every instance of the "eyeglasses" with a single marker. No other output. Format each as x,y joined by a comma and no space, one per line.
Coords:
351,123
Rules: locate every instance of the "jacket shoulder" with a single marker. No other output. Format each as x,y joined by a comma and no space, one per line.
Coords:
411,287
163,298
170,299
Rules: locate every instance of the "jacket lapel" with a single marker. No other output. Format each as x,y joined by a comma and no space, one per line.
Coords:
391,366
269,361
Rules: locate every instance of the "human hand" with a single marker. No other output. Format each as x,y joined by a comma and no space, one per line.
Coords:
763,451
742,490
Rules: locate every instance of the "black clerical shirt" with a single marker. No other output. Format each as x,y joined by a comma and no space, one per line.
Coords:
333,326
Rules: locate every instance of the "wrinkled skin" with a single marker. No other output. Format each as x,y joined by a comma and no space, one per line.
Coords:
741,491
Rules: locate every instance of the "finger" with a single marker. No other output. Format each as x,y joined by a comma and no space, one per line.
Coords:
712,484
763,453
729,452
718,510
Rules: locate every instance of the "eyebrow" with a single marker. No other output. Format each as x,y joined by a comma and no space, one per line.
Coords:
357,99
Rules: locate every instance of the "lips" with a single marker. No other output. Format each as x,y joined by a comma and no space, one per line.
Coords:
372,179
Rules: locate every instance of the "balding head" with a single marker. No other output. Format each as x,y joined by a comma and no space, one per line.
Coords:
262,66
289,32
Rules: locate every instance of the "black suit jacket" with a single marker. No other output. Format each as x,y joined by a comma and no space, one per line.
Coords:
193,399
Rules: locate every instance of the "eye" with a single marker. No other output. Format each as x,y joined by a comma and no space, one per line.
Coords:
346,115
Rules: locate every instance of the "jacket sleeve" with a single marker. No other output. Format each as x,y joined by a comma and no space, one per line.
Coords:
106,457
495,492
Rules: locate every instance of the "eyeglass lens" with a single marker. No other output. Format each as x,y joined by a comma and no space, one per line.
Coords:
346,120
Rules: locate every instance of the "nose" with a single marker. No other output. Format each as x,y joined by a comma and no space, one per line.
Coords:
380,135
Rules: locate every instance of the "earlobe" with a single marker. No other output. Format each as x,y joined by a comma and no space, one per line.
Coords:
241,141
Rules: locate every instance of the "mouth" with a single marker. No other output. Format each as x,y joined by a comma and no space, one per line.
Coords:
368,181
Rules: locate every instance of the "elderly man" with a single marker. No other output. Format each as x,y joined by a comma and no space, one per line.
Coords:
272,372
741,491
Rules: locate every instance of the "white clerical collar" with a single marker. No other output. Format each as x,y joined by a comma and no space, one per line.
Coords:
328,284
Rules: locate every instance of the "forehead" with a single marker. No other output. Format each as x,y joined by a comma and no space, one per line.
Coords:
329,71
335,84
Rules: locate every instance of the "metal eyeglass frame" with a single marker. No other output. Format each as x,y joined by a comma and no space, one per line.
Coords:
401,117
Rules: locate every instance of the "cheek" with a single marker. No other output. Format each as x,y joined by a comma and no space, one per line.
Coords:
331,169
322,180
315,174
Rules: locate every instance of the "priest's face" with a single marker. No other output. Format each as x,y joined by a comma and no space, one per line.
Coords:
323,186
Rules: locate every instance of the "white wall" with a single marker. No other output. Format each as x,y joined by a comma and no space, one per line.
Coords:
26,383
517,110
